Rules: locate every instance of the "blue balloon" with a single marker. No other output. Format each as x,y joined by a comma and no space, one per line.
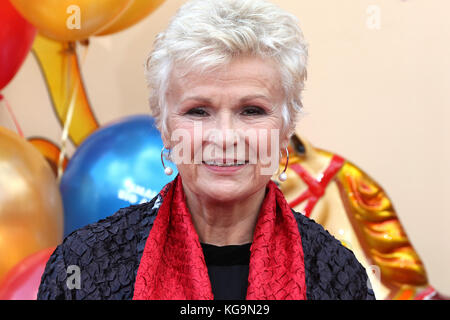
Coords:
116,166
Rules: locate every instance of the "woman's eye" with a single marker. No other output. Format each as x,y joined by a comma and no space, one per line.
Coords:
253,110
197,112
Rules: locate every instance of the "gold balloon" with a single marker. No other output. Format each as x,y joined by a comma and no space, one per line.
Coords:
71,20
31,211
356,210
138,10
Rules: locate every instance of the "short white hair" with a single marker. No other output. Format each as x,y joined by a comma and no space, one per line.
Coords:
206,34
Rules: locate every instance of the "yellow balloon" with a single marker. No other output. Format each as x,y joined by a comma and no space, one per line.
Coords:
71,20
138,10
31,210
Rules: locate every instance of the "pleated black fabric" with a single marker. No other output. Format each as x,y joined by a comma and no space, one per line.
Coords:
108,254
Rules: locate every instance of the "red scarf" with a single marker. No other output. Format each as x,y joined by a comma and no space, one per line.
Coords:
173,267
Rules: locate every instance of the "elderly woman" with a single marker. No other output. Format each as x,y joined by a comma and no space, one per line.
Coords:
225,82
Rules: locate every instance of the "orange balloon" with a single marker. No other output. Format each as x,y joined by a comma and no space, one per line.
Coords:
70,20
138,10
31,211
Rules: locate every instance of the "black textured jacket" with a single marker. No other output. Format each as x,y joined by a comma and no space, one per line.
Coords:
108,253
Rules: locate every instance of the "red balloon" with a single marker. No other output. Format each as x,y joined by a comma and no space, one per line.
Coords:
16,38
22,281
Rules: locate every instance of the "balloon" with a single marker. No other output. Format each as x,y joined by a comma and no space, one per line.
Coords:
135,13
117,165
71,20
50,151
31,210
23,280
59,70
16,37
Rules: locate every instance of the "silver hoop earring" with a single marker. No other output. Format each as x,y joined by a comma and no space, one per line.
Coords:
167,170
283,175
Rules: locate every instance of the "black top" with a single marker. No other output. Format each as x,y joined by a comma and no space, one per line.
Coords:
228,268
108,254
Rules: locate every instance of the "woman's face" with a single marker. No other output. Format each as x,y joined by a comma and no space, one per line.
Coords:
229,116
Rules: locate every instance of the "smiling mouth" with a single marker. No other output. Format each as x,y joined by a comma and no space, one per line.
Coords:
225,164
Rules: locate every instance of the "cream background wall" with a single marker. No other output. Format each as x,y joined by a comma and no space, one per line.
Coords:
378,93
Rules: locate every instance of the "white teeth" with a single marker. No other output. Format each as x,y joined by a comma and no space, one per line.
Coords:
212,163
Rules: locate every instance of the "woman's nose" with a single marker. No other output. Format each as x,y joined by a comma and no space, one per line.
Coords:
225,121
224,130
